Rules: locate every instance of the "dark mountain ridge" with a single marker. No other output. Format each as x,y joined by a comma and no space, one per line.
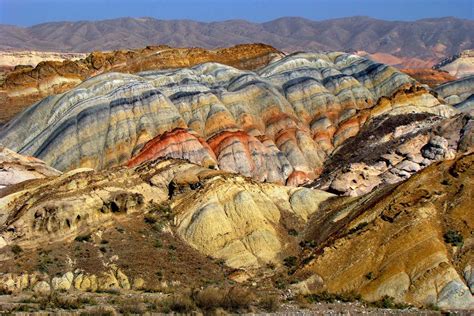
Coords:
433,38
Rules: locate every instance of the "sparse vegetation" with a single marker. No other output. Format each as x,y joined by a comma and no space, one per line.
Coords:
55,301
280,284
234,299
158,244
270,303
388,302
332,297
83,238
290,261
307,244
99,311
292,232
209,298
16,249
357,228
151,218
454,238
132,305
178,303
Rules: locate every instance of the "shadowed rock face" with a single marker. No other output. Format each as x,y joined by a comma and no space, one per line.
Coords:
393,240
276,124
26,85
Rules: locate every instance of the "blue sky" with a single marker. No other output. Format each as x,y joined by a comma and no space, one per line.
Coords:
29,12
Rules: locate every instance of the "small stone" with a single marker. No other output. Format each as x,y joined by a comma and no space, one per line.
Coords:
42,288
63,283
138,284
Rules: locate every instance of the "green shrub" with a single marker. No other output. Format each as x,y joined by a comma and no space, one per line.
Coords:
151,218
270,303
388,302
180,304
86,238
453,237
290,262
16,249
332,297
210,298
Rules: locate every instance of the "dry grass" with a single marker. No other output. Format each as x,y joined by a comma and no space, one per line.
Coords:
234,298
210,298
270,303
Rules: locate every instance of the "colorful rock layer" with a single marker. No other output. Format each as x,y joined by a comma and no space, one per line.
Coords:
278,124
459,93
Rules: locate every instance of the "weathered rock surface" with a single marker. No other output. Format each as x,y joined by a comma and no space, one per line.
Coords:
43,284
460,65
391,149
459,93
240,222
431,77
25,85
393,241
222,215
11,59
15,168
388,242
277,124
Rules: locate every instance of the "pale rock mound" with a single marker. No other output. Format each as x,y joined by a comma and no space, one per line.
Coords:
15,168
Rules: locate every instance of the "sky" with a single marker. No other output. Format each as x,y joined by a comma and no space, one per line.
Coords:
30,12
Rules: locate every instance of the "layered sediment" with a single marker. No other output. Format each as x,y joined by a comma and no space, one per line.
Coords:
278,124
23,86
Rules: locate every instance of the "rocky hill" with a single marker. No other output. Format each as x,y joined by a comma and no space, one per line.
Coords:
10,59
26,85
459,93
236,180
278,124
411,42
459,65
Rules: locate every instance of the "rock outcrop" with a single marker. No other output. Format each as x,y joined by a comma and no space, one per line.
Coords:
22,59
278,124
460,65
431,77
410,241
241,222
398,240
459,93
392,148
26,85
15,168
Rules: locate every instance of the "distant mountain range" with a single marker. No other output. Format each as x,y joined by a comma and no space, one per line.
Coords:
418,42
